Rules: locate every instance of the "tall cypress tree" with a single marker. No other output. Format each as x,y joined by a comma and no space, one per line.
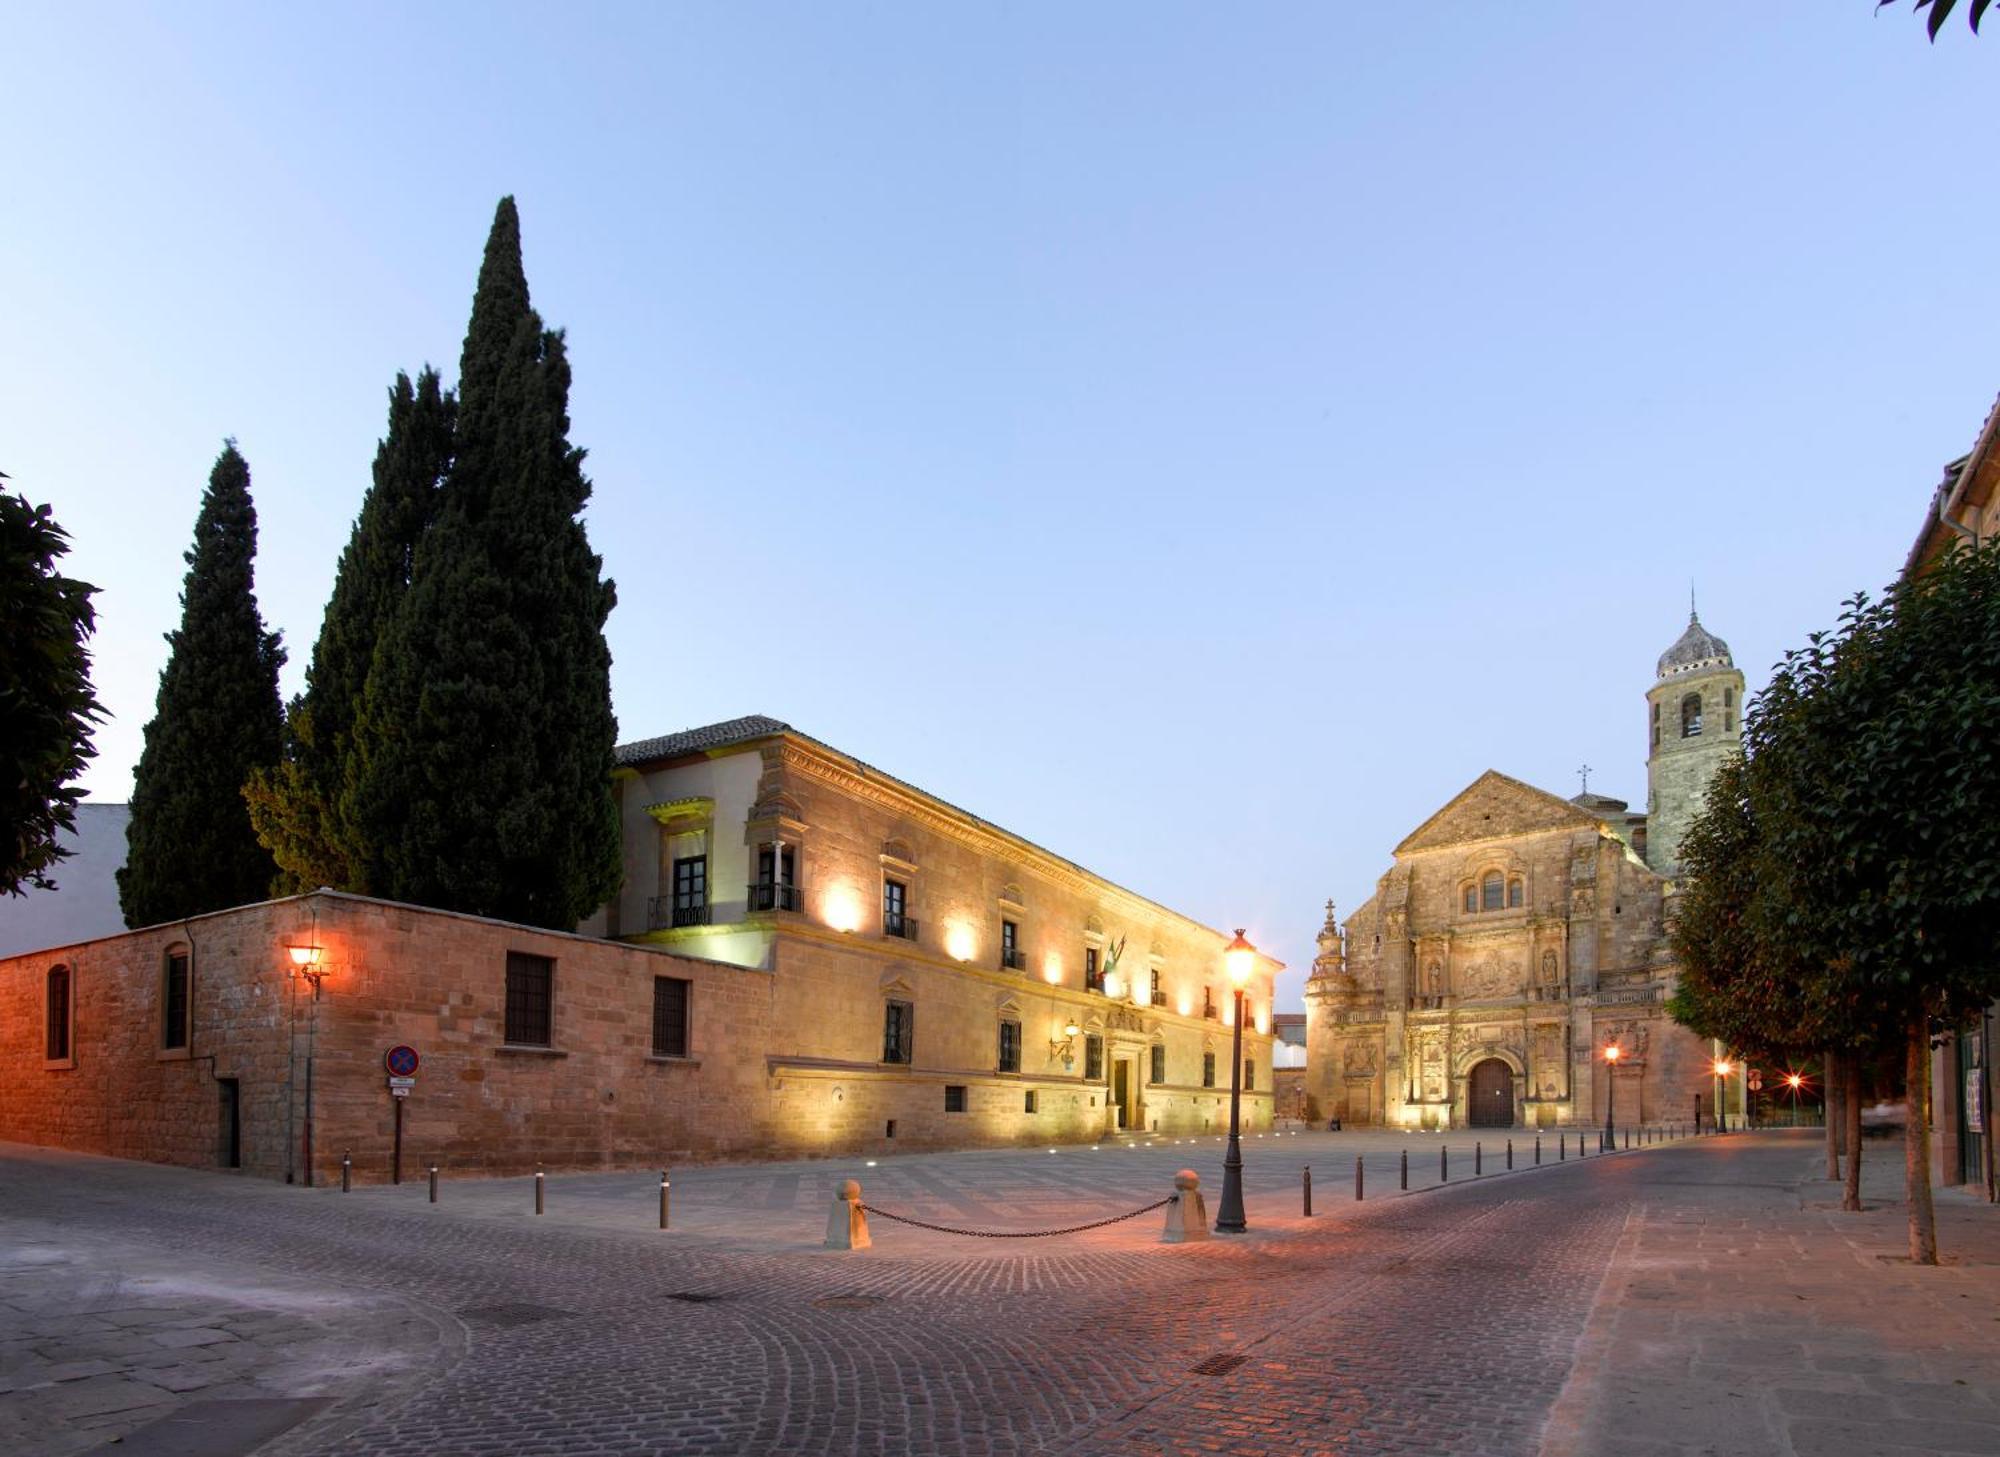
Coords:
297,806
191,847
484,744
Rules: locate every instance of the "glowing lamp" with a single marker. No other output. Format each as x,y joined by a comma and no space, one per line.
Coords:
1185,1006
1794,1081
1611,1053
1070,1029
958,943
1052,971
1722,1067
1239,959
1111,985
303,956
842,909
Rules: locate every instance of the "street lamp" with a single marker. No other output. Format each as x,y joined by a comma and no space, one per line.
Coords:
1239,958
1611,1096
1065,1045
307,962
1721,1074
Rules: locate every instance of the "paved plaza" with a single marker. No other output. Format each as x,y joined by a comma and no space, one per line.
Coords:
1691,1296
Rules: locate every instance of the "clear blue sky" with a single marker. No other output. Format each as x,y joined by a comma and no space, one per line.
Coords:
1199,438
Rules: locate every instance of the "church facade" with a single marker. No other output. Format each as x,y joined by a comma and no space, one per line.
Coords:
1518,936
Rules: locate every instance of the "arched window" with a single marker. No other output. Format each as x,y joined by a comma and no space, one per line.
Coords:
1514,890
1729,710
1691,716
1471,899
1656,725
1490,891
58,1039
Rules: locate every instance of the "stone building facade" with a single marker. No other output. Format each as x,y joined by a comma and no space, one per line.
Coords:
1518,936
758,990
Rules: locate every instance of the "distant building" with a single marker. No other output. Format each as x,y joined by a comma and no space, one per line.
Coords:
1519,935
84,904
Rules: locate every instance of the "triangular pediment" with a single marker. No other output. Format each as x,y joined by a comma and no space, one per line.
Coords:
1495,805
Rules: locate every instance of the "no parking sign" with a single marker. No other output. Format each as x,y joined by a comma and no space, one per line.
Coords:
401,1061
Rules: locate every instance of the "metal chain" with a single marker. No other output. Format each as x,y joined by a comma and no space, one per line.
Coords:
1017,1233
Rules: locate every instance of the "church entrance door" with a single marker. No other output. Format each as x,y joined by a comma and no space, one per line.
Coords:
1489,1095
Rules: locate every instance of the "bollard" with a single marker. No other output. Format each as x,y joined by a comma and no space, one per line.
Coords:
434,1183
538,1191
1538,1150
1306,1187
1357,1178
1444,1163
1628,1140
1478,1158
1187,1211
663,1198
346,1171
1406,1168
1510,1155
847,1220
1562,1147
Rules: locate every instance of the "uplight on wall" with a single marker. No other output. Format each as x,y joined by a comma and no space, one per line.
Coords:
1052,971
841,908
1185,1006
1112,982
1262,1021
959,944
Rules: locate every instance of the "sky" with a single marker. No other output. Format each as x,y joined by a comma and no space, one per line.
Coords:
1200,439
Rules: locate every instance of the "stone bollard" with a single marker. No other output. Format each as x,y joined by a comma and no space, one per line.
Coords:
847,1221
434,1183
1187,1214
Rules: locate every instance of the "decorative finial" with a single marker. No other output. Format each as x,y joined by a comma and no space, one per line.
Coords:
1584,772
1691,612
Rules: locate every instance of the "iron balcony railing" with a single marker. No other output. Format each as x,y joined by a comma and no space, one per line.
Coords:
1159,999
904,927
1212,1012
1011,959
764,896
663,915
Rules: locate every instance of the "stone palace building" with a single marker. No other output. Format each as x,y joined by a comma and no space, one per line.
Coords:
1520,934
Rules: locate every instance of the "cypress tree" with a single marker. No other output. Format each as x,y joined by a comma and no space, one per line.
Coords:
297,806
484,744
191,847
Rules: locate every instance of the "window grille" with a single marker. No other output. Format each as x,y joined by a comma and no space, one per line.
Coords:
530,988
58,1039
1093,1058
1010,1047
1159,1067
174,1002
1208,1069
670,1016
954,1098
898,1025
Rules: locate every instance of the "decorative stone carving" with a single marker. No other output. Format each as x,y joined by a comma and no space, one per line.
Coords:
1358,1060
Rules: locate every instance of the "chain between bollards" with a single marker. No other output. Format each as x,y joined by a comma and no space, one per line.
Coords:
434,1183
1306,1187
539,1181
346,1170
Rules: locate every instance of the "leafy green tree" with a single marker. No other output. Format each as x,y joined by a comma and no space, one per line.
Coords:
484,742
191,847
297,806
1940,11
47,709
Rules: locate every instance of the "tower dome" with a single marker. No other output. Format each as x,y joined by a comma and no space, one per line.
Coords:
1695,650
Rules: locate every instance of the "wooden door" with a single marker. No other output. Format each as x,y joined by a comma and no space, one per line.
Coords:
1489,1094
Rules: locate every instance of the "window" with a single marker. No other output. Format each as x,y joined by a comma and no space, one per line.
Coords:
691,891
1208,1069
1656,725
1514,891
954,1097
1208,1004
174,1001
1028,1101
1159,996
1093,1058
1249,1074
777,887
1010,946
1691,716
1490,891
1159,1067
1010,1047
529,988
1471,899
58,1040
670,1016
1729,710
895,905
1093,979
898,1024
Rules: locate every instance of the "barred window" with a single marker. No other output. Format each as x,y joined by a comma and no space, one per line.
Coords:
174,1001
954,1098
58,1039
1208,1069
1159,1068
1093,1058
898,1025
530,993
1010,1047
670,1016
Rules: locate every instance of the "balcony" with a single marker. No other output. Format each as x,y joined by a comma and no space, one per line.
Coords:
902,927
763,896
1212,1012
1013,959
663,915
1159,999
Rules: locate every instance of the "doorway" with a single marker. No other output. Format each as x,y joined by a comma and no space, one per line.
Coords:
229,1144
1121,1087
1489,1094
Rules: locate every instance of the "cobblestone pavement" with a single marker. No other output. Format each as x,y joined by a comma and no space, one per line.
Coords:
1446,1323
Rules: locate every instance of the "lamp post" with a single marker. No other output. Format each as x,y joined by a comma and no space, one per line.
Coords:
1721,1084
306,963
1611,1097
1239,957
1794,1082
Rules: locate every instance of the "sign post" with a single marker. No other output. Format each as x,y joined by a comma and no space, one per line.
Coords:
401,1061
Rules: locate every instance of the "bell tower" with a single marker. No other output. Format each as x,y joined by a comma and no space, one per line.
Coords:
1694,723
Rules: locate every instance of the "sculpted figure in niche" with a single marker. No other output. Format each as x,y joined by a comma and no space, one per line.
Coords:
1434,1070
1548,1061
1359,1060
1551,972
1434,980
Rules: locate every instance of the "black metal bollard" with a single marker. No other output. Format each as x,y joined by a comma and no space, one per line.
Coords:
664,1183
1628,1140
1406,1168
538,1191
1444,1164
1357,1178
434,1183
1538,1150
1562,1147
1478,1159
346,1171
1510,1154
1306,1187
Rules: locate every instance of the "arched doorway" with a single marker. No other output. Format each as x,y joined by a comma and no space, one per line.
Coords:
1489,1095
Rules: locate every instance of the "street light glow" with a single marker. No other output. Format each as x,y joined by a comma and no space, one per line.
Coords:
1239,958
